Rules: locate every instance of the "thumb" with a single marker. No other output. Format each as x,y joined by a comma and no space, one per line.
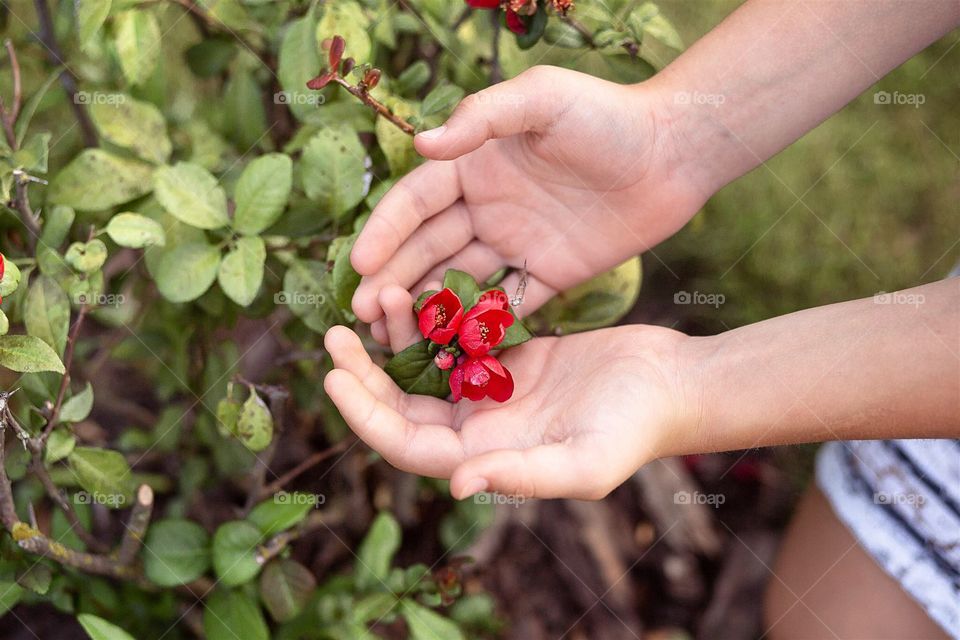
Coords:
514,106
544,471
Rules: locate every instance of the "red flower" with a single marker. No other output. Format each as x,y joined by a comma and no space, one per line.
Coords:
478,378
443,360
484,4
515,24
485,325
440,316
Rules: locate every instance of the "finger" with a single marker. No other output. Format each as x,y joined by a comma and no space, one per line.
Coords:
545,471
348,354
422,193
402,329
378,330
528,102
535,293
477,259
437,239
426,449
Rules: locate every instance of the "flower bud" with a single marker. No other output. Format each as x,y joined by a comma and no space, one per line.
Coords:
337,45
371,78
444,360
348,66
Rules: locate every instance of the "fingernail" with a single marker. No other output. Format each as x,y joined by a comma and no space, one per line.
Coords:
474,486
432,134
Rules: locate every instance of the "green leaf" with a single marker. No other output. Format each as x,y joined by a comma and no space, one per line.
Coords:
241,270
443,98
99,629
255,424
187,271
78,406
346,18
307,289
228,413
376,551
235,552
535,28
132,124
10,280
104,474
97,179
262,192
137,35
244,118
332,170
345,279
28,354
285,588
281,512
46,313
56,225
30,106
373,607
60,444
91,15
647,20
211,56
396,145
135,231
36,577
4,323
86,257
10,594
413,78
192,195
598,302
32,157
463,285
414,371
229,615
177,551
299,61
426,624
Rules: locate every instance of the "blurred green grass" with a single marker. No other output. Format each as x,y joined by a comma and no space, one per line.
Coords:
884,201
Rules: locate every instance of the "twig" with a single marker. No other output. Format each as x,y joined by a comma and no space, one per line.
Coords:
581,29
496,73
136,525
376,105
316,520
40,471
310,461
67,80
467,12
65,381
17,90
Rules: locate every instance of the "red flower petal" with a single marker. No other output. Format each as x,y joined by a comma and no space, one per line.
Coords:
515,24
484,4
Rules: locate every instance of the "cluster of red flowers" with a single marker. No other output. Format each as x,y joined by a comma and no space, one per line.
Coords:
467,336
519,10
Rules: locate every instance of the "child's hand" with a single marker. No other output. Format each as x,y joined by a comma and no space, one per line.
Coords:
587,411
567,172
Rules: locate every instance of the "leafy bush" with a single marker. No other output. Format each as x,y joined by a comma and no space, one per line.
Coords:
182,211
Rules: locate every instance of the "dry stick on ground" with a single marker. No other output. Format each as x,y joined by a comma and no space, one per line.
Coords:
311,461
67,80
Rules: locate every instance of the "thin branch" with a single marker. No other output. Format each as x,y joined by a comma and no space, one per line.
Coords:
17,89
316,520
67,80
496,73
360,92
310,461
581,29
467,12
65,381
136,526
53,491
